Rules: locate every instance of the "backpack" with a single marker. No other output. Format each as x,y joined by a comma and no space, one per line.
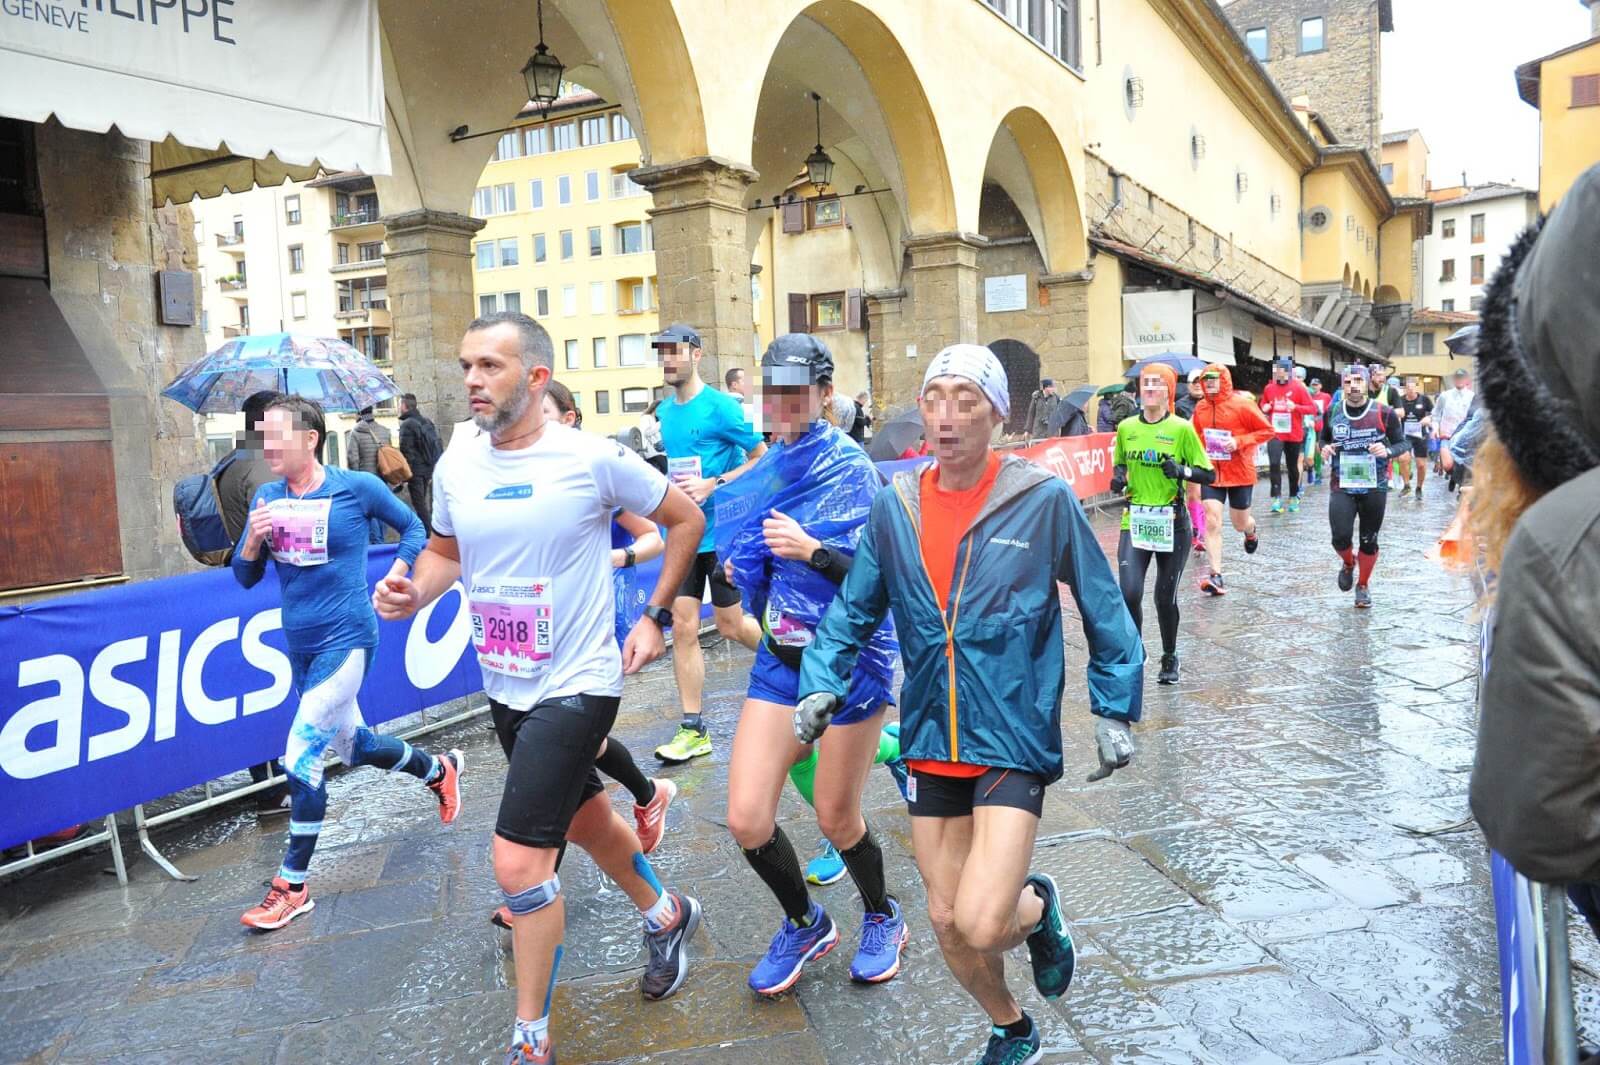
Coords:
432,446
392,465
199,511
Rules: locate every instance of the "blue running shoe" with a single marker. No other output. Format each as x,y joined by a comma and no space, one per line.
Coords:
883,937
1013,1050
827,867
1050,945
791,948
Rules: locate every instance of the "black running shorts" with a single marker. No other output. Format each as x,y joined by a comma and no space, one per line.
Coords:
1237,497
552,748
706,567
929,795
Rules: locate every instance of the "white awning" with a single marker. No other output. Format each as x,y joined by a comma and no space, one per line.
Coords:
299,80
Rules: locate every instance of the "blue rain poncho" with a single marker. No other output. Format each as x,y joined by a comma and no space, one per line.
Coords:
826,482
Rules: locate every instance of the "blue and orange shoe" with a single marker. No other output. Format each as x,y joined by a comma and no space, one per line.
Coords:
883,937
790,950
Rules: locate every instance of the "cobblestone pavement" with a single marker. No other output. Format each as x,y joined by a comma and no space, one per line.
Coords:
1246,893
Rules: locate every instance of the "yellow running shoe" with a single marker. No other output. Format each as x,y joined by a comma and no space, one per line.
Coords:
687,744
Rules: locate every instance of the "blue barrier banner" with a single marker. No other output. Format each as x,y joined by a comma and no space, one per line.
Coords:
121,696
1518,935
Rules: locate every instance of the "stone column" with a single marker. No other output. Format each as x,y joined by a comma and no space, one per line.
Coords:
1064,301
429,263
702,260
937,306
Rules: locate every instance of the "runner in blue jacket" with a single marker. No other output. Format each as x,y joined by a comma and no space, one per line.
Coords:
966,556
313,524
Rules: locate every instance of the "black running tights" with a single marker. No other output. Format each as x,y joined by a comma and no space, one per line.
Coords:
1132,566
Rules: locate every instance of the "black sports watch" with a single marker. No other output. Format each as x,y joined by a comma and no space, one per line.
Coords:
720,481
821,559
629,558
660,615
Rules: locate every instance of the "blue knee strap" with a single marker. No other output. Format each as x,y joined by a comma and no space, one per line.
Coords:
641,865
534,899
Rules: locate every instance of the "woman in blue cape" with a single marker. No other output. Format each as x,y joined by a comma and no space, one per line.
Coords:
795,521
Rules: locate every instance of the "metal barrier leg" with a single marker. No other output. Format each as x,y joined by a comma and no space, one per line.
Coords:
116,850
150,848
1560,1023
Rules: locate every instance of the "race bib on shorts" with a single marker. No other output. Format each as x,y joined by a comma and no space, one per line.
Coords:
513,625
1282,421
1413,427
300,531
784,630
1358,471
1217,443
1151,528
680,470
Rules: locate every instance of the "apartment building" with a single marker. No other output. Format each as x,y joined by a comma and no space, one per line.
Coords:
303,257
1471,232
567,240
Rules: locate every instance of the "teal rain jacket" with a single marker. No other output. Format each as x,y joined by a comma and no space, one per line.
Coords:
984,673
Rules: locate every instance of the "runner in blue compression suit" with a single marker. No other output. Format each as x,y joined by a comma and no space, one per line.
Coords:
313,523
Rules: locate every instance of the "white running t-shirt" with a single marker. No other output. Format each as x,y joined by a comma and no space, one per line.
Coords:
534,530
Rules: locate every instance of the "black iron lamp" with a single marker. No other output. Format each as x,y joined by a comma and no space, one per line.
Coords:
543,71
819,164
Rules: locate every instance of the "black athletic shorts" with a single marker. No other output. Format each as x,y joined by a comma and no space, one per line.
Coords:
1238,497
1419,446
929,795
552,748
706,567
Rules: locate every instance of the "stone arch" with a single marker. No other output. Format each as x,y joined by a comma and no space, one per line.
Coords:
1355,283
1385,295
867,79
632,52
1366,291
1027,161
1021,364
1346,281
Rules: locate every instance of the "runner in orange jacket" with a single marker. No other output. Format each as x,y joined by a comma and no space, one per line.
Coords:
1231,426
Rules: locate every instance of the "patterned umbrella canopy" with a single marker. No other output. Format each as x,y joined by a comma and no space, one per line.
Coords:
325,369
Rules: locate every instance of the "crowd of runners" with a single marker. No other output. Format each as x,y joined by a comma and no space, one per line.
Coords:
833,579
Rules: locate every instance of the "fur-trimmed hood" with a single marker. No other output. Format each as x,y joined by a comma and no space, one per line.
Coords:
1539,345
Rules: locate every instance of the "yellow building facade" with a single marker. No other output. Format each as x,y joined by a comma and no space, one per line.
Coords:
567,239
1565,88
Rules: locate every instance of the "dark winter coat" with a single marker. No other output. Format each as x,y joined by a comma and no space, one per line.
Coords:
1536,777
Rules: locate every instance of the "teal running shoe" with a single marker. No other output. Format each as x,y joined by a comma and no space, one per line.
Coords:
1050,944
827,867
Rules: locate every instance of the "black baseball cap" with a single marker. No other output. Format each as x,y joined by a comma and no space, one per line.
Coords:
796,359
677,333
1047,383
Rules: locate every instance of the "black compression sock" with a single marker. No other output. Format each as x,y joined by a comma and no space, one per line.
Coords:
1019,1028
778,867
616,763
865,863
693,721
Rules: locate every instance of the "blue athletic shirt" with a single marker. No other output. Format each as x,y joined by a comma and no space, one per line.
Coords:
328,607
712,429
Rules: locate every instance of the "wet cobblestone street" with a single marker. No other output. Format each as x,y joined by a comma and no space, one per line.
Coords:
1246,893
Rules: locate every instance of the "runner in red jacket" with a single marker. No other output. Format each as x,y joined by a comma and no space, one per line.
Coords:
1230,426
1287,403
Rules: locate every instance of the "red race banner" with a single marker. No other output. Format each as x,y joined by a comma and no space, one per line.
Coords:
1084,462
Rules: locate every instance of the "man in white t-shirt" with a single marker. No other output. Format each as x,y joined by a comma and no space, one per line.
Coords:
522,516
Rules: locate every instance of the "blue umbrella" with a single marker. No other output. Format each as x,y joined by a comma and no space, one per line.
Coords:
1181,364
325,369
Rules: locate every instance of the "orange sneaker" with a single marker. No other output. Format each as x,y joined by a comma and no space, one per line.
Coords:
448,786
284,902
650,820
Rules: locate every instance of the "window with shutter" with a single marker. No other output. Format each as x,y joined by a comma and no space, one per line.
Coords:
1586,90
855,313
799,313
794,217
